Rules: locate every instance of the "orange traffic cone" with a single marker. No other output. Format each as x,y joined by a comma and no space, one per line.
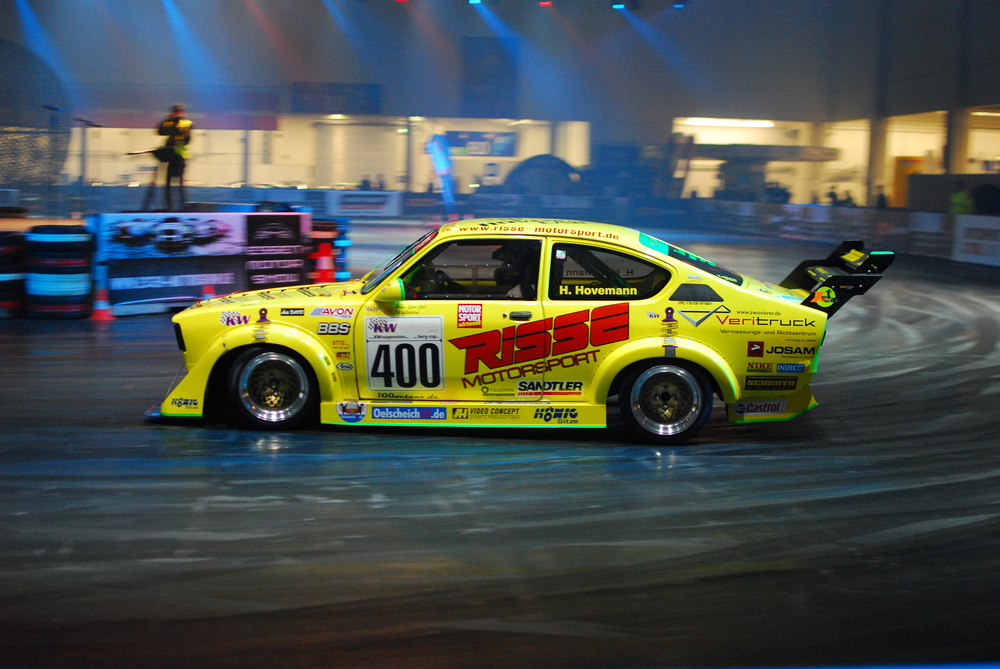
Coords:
324,263
102,306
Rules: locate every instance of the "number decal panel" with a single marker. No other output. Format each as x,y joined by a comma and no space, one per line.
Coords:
404,354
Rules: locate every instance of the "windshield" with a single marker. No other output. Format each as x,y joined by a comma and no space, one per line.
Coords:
385,269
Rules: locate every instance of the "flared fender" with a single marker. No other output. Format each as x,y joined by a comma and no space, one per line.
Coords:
652,349
188,397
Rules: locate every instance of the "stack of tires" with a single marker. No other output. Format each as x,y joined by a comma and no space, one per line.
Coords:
58,283
11,274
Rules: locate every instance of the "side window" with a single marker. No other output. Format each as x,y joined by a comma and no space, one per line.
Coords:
487,269
581,272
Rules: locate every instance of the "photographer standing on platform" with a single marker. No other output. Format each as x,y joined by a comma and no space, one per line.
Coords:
177,129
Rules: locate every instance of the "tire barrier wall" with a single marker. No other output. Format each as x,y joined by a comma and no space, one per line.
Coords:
58,282
12,249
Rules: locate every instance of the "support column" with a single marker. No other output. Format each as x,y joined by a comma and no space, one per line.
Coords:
246,158
956,149
324,156
878,138
814,169
410,126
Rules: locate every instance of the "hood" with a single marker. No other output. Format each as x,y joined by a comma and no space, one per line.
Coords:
325,293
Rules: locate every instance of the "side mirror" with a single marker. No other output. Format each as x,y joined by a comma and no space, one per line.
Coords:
390,293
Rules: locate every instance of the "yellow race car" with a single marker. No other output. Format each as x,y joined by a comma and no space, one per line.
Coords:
521,322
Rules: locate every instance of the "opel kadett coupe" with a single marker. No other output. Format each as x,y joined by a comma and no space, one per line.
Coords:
521,323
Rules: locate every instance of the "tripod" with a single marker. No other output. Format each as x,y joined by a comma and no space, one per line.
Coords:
165,155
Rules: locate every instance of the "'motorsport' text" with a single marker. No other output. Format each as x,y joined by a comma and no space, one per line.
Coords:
563,338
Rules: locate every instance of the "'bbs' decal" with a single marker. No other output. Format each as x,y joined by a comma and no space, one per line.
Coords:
342,328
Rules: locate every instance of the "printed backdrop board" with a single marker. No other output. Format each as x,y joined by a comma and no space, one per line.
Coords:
163,260
977,240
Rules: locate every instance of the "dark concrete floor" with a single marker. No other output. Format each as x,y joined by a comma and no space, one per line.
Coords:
866,531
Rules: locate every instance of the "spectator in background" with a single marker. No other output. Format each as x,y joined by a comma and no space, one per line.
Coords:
986,199
880,200
848,200
832,197
961,201
176,127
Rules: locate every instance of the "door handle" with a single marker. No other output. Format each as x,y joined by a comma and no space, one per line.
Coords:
520,315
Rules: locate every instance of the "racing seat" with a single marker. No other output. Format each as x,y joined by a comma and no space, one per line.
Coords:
518,273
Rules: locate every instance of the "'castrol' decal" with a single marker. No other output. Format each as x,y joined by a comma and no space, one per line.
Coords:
539,346
760,408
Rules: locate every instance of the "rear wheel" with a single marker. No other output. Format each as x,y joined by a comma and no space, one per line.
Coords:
272,389
665,403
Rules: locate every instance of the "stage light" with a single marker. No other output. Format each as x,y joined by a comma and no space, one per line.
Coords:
545,3
475,2
618,5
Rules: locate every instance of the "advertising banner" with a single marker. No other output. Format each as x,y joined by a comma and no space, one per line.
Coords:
977,240
156,261
356,203
482,143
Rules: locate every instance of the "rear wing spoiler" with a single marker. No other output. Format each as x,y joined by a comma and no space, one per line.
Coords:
846,272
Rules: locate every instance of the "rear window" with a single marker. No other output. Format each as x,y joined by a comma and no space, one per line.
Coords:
691,259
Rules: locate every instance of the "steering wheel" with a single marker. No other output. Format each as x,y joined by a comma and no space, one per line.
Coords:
444,283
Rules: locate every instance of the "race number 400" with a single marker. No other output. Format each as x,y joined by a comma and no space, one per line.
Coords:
405,353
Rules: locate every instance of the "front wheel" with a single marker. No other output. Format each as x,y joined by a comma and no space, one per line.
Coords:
271,390
665,403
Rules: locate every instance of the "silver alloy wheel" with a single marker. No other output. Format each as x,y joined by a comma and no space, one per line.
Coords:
273,387
666,400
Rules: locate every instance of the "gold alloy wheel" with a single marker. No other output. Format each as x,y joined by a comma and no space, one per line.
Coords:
666,400
273,387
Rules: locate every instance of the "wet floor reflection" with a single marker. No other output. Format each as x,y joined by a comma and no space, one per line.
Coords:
865,531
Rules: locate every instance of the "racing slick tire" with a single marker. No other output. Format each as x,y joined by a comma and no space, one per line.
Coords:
272,389
11,273
58,281
665,403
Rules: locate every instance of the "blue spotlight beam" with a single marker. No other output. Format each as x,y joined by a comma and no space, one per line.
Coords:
682,66
196,60
38,41
198,66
